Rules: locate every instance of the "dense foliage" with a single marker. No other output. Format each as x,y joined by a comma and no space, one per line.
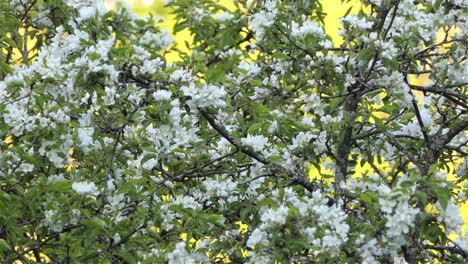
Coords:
267,142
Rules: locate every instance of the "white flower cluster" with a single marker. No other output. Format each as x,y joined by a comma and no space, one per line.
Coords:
307,28
395,87
301,139
198,14
369,250
388,49
273,217
330,220
85,188
142,145
188,202
357,22
249,70
333,220
223,188
400,218
264,19
223,18
258,236
411,129
258,143
204,96
53,221
181,75
180,255
157,41
151,66
85,135
450,216
312,103
400,215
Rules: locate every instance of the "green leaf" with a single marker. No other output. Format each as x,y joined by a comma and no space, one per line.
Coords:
96,224
267,202
433,232
4,246
406,184
369,197
348,11
391,64
443,196
5,68
437,4
366,55
244,214
421,197
105,261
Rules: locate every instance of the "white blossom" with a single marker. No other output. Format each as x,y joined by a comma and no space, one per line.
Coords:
451,217
204,96
85,135
85,188
150,164
357,22
258,143
307,28
160,41
244,131
223,17
274,217
53,221
264,19
257,237
250,69
162,95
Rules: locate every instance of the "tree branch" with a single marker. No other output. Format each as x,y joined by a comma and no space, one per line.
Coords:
344,147
225,134
296,178
454,250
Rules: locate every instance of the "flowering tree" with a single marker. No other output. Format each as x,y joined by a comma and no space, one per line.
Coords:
267,142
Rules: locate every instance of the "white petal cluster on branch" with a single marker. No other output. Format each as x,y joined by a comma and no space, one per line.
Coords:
268,142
